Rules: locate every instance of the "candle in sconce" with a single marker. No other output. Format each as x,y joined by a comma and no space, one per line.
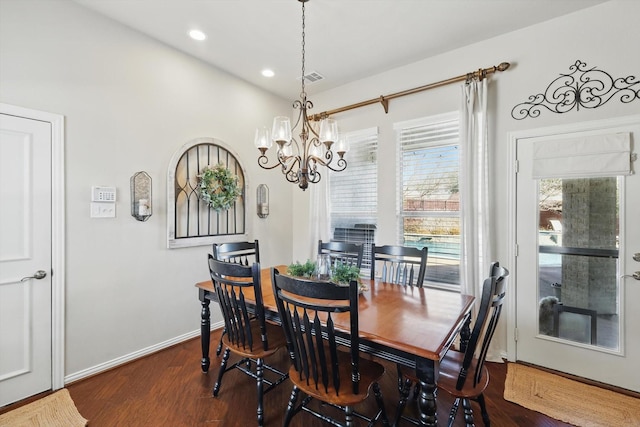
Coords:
143,207
141,200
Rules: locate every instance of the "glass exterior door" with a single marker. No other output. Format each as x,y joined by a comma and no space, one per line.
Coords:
577,304
578,228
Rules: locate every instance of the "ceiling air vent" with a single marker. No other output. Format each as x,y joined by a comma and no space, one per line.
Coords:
313,77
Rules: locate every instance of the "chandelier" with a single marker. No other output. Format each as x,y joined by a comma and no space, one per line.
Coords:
300,158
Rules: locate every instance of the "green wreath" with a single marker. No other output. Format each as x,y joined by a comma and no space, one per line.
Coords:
218,187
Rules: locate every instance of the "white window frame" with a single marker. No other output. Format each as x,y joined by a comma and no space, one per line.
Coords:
401,214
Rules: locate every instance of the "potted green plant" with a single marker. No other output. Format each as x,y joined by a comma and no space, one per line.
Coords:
343,274
306,270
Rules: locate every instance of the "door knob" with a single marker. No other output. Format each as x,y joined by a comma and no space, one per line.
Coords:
40,274
635,275
636,256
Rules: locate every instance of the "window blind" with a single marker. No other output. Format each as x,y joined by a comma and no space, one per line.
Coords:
429,165
354,192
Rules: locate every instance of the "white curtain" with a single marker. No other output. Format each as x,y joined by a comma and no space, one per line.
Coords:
319,213
474,187
476,255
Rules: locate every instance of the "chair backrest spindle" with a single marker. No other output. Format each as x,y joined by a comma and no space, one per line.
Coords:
402,265
232,282
244,253
342,252
307,309
492,298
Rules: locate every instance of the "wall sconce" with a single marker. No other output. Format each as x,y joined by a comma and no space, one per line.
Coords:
141,196
262,198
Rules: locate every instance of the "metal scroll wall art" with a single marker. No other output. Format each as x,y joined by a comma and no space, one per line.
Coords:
582,87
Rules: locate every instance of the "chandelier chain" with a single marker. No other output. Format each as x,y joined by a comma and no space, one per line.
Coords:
299,159
303,94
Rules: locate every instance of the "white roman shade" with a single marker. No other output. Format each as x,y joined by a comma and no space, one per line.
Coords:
581,157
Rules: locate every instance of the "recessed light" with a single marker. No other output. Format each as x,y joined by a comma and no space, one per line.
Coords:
197,35
268,73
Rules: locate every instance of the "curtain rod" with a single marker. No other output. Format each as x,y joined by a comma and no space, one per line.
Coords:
384,99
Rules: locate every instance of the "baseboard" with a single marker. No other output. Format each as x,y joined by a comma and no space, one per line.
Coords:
135,355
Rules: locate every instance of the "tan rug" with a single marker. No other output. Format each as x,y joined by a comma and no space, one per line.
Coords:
55,410
567,400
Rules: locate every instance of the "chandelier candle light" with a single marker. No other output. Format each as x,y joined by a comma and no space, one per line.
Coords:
299,159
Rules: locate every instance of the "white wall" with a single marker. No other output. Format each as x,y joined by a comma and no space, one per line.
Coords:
129,104
605,36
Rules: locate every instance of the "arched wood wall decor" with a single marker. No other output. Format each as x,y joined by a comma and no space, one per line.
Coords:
582,87
190,220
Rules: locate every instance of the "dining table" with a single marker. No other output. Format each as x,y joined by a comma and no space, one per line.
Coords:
412,326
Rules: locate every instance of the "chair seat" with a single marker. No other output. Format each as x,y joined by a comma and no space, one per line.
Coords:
370,372
276,342
449,371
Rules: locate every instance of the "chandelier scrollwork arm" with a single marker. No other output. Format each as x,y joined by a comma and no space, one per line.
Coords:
327,161
263,161
582,87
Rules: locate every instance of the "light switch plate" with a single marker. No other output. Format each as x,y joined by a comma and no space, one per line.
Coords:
103,210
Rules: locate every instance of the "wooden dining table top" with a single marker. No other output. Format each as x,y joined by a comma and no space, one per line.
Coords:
417,321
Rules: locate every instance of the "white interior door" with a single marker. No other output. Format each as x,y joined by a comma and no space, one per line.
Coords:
576,239
25,258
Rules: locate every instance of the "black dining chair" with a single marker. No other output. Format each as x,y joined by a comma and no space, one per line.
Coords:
243,253
402,265
320,369
465,331
342,252
248,334
462,373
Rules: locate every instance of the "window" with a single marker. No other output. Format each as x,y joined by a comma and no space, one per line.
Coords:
429,202
354,193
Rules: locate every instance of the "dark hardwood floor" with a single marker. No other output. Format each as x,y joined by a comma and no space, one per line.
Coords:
168,388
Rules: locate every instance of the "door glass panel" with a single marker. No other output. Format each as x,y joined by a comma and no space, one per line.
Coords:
578,230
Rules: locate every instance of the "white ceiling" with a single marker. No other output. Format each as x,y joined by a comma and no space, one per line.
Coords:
346,40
